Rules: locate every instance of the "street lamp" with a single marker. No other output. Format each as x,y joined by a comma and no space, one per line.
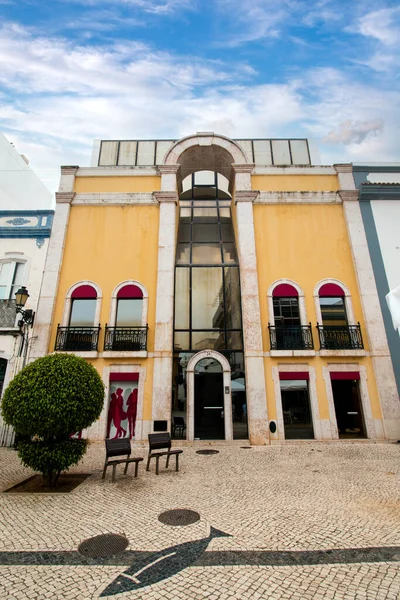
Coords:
28,316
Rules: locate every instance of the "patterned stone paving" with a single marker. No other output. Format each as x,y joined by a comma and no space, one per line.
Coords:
300,521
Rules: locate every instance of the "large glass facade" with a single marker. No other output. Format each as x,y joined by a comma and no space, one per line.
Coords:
207,290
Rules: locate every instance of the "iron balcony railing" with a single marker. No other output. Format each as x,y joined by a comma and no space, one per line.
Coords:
81,339
291,338
125,338
340,337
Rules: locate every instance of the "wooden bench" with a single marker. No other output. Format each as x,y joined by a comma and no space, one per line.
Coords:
160,445
119,447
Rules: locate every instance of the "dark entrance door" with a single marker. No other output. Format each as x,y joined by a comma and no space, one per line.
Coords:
349,417
208,401
296,410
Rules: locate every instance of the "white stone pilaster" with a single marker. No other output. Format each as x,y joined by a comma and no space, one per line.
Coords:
163,338
375,330
252,333
48,292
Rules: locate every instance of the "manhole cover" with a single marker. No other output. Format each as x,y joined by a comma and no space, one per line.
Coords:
179,516
102,546
207,451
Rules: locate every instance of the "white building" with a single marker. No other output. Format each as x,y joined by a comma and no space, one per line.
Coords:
25,225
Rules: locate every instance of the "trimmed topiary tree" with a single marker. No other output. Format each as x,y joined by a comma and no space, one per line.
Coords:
47,402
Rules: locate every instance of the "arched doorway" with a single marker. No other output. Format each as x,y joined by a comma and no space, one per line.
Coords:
209,397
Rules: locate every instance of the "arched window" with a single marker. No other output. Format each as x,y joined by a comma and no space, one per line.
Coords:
83,306
288,327
129,306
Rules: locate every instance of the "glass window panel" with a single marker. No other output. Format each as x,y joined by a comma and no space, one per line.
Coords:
207,299
286,312
299,152
205,233
181,340
185,204
129,312
182,298
82,313
205,215
280,151
182,254
232,298
3,292
224,213
333,311
213,340
223,183
230,253
5,273
127,153
18,278
206,254
204,178
209,365
262,152
234,340
185,215
162,149
227,233
184,233
246,145
187,183
206,193
108,154
145,155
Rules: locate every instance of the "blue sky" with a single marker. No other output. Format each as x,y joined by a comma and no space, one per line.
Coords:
75,70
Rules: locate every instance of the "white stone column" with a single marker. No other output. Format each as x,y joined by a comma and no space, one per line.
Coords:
49,289
375,330
163,338
253,348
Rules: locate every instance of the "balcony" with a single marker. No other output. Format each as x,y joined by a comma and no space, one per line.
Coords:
291,338
79,339
126,339
340,337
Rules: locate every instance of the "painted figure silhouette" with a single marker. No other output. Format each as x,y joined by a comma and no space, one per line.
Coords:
131,411
160,565
119,414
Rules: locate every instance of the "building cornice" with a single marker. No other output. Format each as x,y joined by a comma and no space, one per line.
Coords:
343,168
169,169
246,196
348,195
114,199
69,170
243,168
165,197
298,198
64,197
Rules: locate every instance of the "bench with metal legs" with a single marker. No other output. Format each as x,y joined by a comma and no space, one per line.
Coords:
119,447
160,445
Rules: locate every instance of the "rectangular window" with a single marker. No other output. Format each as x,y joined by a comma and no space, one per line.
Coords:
82,313
11,278
333,311
129,312
286,312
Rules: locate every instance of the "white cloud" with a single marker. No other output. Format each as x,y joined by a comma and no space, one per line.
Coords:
354,132
383,25
59,96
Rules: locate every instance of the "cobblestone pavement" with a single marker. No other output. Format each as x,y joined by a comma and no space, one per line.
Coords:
297,521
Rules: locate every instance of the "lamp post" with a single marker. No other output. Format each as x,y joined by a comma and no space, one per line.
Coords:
27,318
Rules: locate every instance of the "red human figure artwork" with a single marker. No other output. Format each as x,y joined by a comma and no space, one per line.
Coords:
119,414
131,411
111,411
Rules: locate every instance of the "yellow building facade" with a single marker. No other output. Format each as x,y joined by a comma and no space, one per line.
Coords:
222,289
